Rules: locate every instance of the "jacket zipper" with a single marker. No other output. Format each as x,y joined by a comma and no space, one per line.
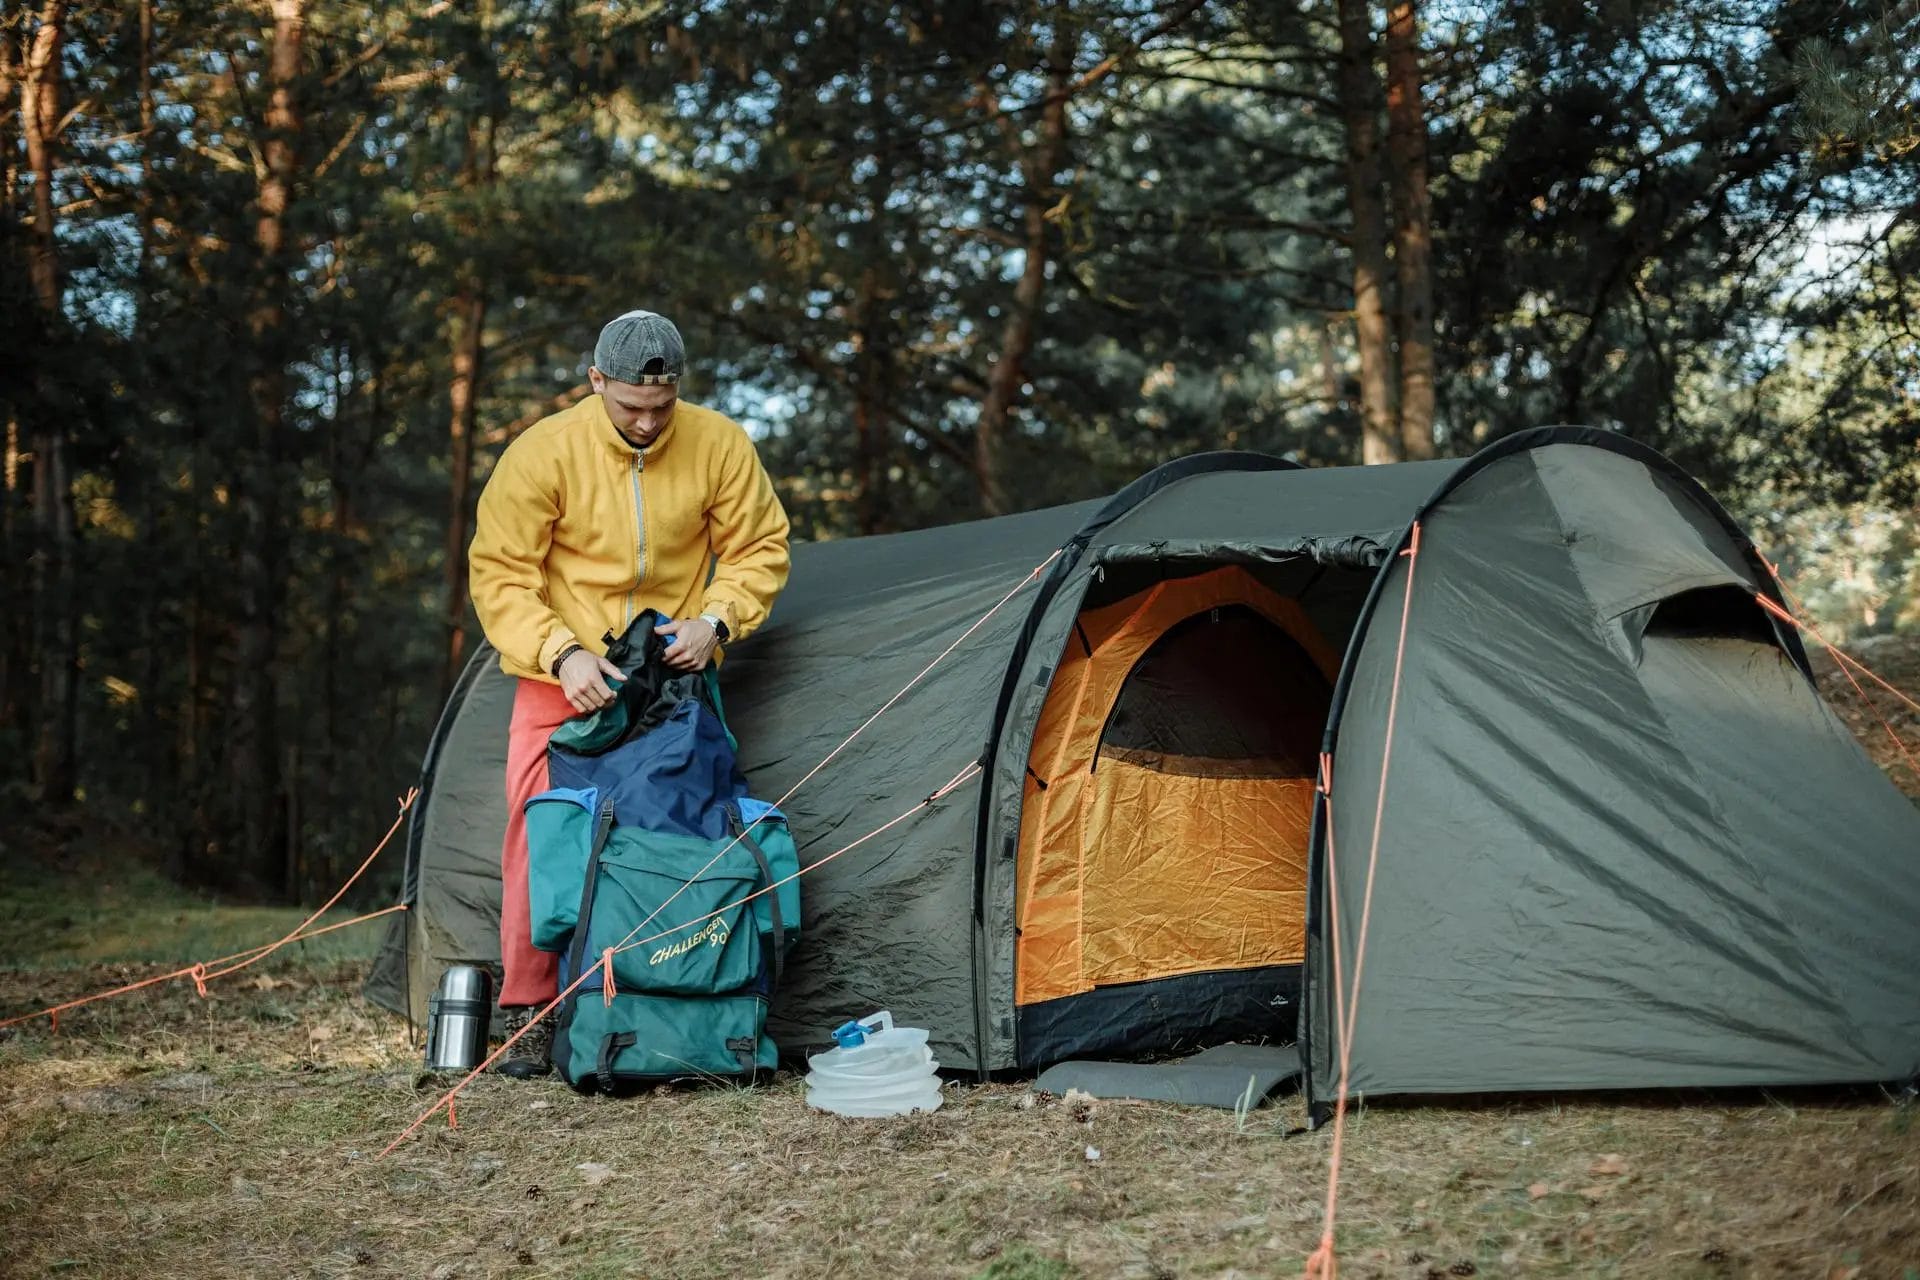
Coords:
639,537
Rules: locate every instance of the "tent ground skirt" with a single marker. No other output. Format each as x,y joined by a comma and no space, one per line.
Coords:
1166,1015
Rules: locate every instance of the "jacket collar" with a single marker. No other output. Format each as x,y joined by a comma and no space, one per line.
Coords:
603,428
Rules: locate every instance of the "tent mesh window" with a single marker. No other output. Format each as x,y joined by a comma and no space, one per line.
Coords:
1224,694
1712,613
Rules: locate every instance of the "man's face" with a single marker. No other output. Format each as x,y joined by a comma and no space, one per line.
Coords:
639,413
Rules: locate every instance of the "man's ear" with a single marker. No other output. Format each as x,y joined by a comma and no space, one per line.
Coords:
597,380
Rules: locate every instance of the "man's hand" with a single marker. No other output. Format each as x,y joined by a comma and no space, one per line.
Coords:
693,643
583,678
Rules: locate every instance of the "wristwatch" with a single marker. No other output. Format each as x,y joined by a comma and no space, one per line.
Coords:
720,631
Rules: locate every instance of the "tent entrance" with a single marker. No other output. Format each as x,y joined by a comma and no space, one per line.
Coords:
1165,825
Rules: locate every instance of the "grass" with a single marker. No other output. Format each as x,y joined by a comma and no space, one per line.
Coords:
163,1134
239,1135
89,908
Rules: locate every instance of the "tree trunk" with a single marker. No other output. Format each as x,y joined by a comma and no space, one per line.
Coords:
39,118
332,661
868,470
9,82
469,334
470,317
160,773
255,757
145,90
196,830
1332,382
1358,92
54,759
870,394
873,363
342,725
1007,376
1412,228
294,875
866,460
16,629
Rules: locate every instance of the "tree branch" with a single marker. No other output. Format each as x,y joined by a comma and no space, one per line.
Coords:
346,140
1320,101
379,46
504,434
1100,70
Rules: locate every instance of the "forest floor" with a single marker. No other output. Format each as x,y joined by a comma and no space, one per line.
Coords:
239,1134
1873,713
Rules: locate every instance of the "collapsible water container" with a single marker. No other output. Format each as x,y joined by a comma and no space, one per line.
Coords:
877,1069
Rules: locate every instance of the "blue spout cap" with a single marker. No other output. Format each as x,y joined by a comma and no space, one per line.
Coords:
849,1035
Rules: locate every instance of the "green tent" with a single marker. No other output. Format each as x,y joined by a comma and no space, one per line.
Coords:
1622,842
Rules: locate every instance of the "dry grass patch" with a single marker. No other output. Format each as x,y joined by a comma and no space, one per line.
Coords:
239,1137
163,1134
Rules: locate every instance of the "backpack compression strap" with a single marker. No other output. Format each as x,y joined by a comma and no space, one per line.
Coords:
773,895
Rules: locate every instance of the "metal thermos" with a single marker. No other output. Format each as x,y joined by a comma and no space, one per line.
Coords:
458,1016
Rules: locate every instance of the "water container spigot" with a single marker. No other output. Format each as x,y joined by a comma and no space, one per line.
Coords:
849,1035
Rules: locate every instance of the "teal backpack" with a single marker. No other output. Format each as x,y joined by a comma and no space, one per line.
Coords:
649,843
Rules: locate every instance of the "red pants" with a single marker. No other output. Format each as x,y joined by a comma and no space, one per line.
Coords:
530,976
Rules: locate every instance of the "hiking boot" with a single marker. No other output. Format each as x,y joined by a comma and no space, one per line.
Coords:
532,1054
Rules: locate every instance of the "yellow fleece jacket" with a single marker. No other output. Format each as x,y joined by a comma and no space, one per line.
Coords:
579,532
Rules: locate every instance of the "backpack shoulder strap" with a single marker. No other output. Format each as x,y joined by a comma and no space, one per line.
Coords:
602,832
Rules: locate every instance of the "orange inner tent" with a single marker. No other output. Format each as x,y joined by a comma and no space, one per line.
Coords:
1170,788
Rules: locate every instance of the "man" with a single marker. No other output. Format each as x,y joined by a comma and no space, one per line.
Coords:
619,504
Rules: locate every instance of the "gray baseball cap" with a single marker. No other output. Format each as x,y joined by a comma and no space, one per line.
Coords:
640,348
